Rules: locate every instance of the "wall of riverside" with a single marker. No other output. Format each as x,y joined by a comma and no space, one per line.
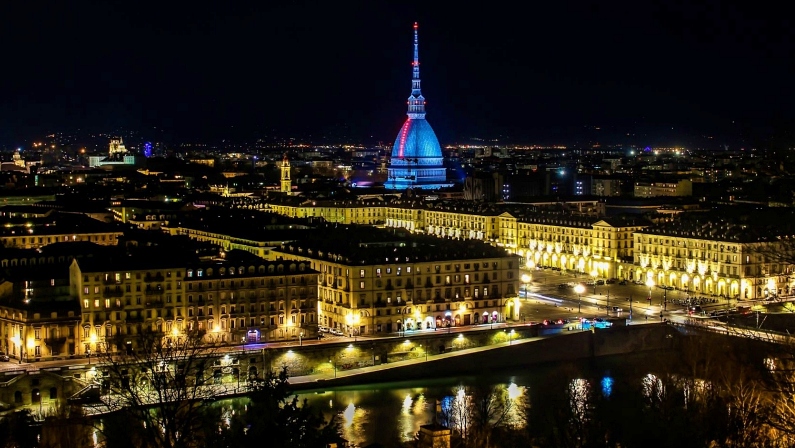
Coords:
568,346
348,355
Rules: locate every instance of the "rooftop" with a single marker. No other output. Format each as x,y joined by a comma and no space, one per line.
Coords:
740,224
58,223
245,224
362,245
252,268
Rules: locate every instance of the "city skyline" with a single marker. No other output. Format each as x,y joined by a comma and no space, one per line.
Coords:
579,73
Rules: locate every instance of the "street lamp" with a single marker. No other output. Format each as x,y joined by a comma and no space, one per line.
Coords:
92,340
526,279
579,289
334,366
650,284
300,338
594,274
510,337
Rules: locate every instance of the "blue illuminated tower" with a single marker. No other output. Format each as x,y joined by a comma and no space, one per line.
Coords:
417,160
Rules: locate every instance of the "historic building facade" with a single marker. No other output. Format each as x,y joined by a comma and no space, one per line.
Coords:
227,302
372,296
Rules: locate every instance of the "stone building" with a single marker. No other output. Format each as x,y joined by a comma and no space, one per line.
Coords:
374,281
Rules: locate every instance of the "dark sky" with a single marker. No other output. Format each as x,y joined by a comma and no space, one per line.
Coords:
532,71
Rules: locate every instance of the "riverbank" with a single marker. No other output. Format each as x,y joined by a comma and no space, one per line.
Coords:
561,346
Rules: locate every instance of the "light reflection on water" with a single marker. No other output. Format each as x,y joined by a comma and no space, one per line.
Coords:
391,413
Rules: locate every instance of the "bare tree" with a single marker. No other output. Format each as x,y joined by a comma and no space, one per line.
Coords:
162,385
66,427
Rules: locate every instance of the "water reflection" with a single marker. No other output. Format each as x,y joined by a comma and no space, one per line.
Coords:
392,413
579,397
607,386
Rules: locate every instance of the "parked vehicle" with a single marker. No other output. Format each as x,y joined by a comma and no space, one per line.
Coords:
336,332
610,281
3,357
600,282
322,329
622,282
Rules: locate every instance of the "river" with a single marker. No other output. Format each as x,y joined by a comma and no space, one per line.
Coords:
389,413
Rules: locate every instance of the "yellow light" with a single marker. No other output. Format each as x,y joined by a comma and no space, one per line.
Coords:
93,338
526,278
175,331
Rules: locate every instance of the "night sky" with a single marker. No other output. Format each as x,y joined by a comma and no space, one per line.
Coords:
667,72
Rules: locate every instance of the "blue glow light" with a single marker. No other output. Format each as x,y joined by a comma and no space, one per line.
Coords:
607,386
147,150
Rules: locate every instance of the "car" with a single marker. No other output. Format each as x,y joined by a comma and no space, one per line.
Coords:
336,332
322,329
4,357
617,309
610,281
623,282
600,282
563,286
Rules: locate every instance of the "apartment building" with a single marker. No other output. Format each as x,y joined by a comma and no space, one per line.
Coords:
255,302
374,281
228,301
716,257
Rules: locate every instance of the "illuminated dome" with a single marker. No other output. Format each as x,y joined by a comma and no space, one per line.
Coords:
417,160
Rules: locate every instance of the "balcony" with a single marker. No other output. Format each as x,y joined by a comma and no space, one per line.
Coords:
55,341
154,303
134,319
154,291
113,293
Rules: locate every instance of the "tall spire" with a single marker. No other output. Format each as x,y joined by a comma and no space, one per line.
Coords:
416,100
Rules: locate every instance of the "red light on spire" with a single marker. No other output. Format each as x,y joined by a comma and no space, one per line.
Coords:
415,25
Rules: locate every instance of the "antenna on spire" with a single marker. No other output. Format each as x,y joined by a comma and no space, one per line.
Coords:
416,54
416,100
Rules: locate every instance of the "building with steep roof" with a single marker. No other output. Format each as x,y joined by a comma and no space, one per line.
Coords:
417,160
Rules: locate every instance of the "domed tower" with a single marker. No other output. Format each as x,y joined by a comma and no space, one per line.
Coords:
416,160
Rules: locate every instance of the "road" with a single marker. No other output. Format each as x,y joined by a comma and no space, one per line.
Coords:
545,283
